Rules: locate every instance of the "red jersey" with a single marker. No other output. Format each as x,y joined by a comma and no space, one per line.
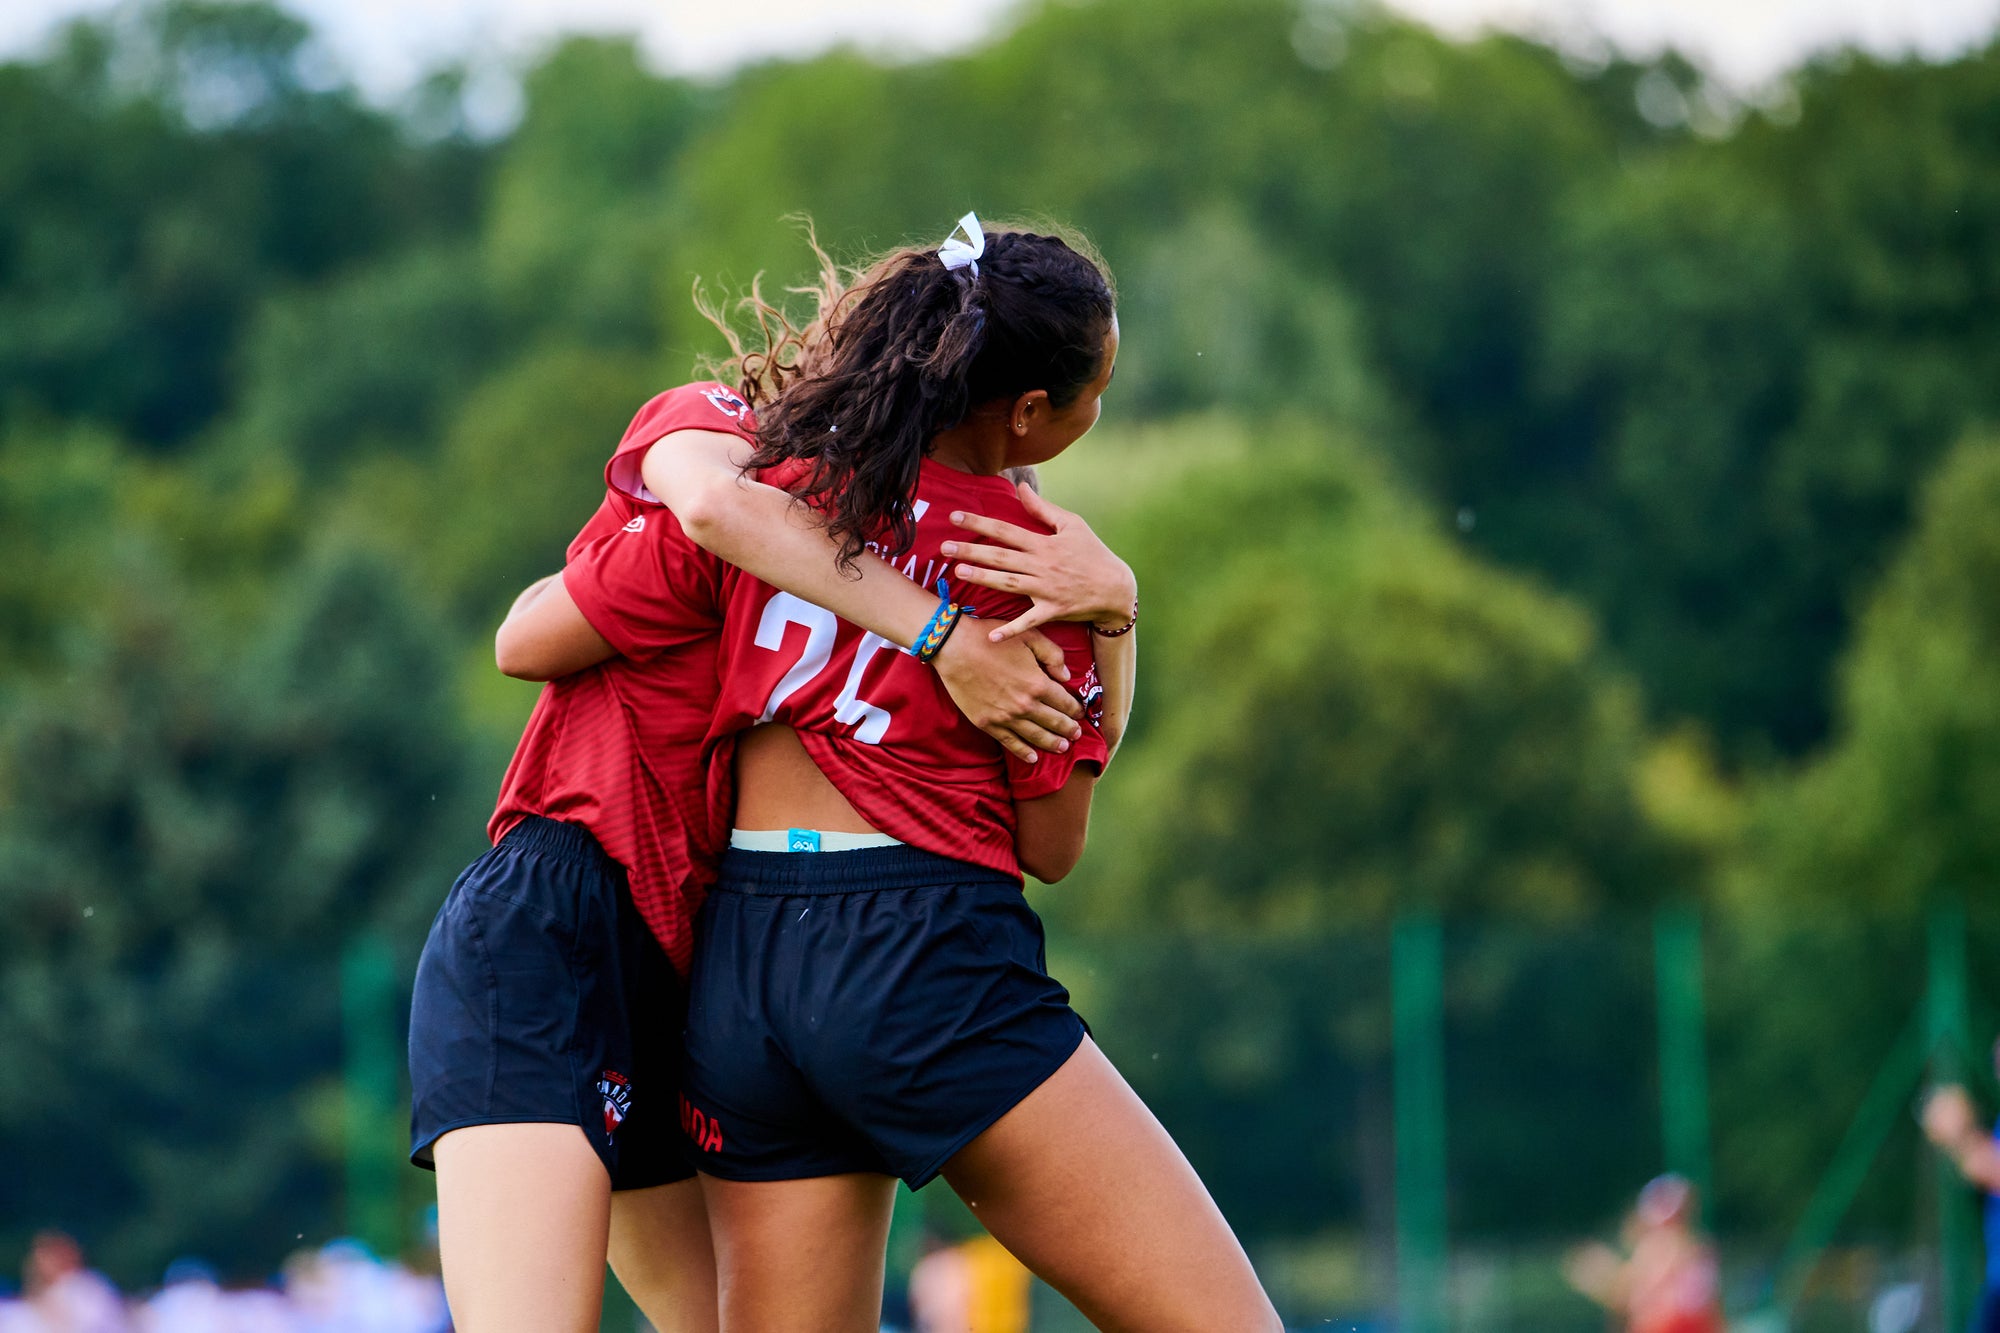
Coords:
880,724
617,748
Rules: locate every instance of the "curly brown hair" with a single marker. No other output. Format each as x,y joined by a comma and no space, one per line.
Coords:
903,350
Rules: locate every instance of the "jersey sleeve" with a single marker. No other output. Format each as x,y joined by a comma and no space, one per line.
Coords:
704,405
646,587
1048,775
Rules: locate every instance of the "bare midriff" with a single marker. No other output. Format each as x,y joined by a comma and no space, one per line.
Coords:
778,786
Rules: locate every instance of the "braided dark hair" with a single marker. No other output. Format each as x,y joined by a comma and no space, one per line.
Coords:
903,351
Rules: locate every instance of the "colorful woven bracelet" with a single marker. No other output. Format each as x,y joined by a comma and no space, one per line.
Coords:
1125,628
939,627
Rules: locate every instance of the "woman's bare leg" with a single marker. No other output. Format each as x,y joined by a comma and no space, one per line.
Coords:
661,1253
1087,1189
792,1255
523,1212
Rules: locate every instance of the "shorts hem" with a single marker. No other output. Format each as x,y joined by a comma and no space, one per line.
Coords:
422,1157
760,1175
684,1172
936,1164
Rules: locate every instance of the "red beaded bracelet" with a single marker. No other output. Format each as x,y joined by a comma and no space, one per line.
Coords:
1125,628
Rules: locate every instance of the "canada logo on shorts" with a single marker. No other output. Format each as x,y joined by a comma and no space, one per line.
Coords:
616,1090
705,1130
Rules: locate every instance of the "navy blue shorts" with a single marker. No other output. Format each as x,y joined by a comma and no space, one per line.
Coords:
871,1010
541,996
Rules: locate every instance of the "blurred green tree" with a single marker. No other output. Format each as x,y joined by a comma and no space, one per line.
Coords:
374,363
1905,803
184,162
194,826
518,473
581,219
1688,369
1344,717
1839,857
1755,349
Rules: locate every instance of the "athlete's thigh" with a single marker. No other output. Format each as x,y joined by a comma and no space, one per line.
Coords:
1086,1188
523,1212
803,1254
661,1254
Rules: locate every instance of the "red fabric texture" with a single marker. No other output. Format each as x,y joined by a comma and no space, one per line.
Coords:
879,723
618,748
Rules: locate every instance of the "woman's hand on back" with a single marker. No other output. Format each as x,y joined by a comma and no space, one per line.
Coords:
1010,690
1068,574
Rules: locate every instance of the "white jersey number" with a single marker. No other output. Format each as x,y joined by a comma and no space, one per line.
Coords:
870,722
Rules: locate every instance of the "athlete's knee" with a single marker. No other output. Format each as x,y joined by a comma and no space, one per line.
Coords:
672,1295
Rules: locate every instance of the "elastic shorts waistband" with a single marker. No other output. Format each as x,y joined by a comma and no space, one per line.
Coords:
552,837
783,874
807,840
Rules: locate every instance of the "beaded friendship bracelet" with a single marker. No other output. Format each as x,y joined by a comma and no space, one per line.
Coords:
939,627
1125,628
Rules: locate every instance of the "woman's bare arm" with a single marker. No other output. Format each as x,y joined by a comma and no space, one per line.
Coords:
545,636
1050,831
1118,673
998,686
1015,696
1016,699
764,532
1951,1124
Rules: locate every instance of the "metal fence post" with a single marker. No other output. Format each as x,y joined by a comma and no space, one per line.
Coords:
1677,973
1417,1003
372,1081
1945,1029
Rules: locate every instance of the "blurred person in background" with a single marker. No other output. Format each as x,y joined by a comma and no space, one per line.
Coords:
343,1288
1669,1281
188,1301
975,1286
1951,1123
61,1295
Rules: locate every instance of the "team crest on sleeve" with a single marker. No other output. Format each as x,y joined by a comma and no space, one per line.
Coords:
1092,696
726,402
616,1090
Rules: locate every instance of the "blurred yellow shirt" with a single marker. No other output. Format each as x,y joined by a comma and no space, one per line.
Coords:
974,1287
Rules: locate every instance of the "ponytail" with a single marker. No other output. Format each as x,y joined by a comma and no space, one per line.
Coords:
902,352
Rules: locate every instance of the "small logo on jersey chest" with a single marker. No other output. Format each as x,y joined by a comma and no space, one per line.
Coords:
726,403
637,523
616,1090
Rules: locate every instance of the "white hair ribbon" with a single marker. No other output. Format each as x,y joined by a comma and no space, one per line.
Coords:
955,253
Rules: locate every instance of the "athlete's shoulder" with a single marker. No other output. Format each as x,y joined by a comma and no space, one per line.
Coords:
941,489
697,405
700,405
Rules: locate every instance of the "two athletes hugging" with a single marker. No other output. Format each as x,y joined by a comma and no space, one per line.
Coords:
751,943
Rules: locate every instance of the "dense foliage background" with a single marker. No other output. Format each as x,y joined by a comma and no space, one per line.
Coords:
1559,490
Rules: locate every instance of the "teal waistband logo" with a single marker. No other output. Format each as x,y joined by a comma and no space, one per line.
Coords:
802,840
